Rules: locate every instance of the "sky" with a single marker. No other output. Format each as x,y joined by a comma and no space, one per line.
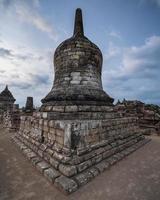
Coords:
126,31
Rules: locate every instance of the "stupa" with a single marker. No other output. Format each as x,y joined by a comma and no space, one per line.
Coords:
29,108
6,100
77,133
77,66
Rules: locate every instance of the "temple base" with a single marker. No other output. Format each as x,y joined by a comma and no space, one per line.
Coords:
70,153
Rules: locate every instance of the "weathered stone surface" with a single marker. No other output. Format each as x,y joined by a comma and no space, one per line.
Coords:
51,174
102,166
81,81
84,178
94,171
84,165
36,160
29,105
31,155
41,166
67,170
54,163
65,184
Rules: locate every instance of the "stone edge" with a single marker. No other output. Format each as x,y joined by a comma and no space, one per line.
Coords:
70,185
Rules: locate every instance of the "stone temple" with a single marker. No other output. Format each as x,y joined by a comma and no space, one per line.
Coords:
6,100
77,133
9,113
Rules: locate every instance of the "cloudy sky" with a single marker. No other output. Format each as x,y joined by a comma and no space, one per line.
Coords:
127,32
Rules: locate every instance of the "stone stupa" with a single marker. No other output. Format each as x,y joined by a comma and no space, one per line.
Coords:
77,133
6,100
77,66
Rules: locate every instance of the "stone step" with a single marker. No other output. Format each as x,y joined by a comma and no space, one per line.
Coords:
71,184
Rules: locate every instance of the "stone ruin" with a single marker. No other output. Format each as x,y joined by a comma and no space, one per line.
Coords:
29,108
77,133
6,100
9,112
148,115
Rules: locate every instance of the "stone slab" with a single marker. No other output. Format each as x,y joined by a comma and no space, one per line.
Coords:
41,166
51,174
65,184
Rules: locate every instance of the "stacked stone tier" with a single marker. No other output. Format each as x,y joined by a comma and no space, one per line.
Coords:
77,150
72,146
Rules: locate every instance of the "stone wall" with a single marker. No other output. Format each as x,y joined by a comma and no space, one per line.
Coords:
11,120
148,115
71,147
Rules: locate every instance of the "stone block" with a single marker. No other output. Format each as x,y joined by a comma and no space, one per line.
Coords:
84,165
26,151
58,108
30,155
112,160
76,82
54,163
51,174
44,115
96,159
52,130
67,170
94,171
43,147
71,109
40,153
60,132
48,108
41,166
83,178
65,184
108,153
102,166
46,128
59,140
51,123
36,160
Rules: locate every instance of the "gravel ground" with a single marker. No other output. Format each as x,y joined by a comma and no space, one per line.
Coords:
137,177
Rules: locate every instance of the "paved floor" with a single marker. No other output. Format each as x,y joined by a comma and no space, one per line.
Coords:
137,177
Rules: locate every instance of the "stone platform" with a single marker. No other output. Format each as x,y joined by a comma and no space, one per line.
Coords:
71,184
72,152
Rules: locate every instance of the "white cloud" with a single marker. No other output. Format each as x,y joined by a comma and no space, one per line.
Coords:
26,71
36,20
27,67
115,34
112,51
28,12
136,76
144,57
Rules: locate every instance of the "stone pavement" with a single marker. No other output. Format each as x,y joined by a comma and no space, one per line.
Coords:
137,177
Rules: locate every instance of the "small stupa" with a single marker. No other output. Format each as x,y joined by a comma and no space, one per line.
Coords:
6,99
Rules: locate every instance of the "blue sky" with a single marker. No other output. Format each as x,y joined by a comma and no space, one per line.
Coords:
126,31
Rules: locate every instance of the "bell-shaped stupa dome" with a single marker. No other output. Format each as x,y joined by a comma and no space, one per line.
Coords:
6,95
77,66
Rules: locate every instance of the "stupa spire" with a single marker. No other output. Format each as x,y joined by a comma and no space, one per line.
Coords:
78,24
6,88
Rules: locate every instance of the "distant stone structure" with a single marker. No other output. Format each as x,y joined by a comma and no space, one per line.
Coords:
9,112
6,100
77,133
148,115
29,105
